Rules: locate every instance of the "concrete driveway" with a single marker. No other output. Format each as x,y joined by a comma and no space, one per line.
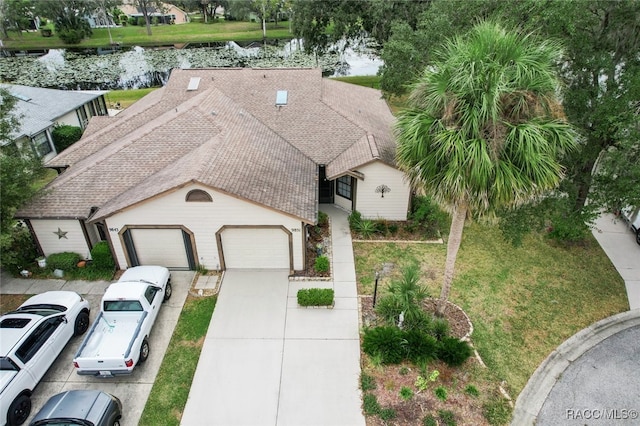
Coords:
133,390
265,361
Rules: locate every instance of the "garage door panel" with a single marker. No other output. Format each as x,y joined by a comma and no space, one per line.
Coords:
164,247
255,248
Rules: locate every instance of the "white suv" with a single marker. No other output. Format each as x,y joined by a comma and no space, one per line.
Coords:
632,216
31,338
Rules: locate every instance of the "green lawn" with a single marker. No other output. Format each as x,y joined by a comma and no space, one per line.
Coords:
193,32
171,388
523,301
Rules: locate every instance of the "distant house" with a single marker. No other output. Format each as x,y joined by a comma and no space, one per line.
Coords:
39,110
168,14
223,168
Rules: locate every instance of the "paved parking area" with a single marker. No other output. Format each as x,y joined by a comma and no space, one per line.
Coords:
133,390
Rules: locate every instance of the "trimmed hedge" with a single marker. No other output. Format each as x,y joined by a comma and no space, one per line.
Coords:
315,297
65,260
64,136
102,258
322,264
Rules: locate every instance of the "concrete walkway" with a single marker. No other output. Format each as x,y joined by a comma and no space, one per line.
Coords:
619,243
266,361
594,376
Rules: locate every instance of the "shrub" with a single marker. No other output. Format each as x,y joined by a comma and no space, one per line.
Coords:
420,346
406,393
71,36
367,382
64,136
322,264
354,218
65,260
447,417
393,228
441,393
497,411
315,297
18,249
388,414
454,352
472,390
405,296
102,258
440,328
385,341
381,226
370,404
133,21
323,218
429,420
366,228
141,22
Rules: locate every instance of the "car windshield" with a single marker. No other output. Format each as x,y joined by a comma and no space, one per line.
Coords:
41,309
7,365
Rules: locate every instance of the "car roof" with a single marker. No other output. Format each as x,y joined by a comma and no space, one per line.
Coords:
150,274
88,404
125,290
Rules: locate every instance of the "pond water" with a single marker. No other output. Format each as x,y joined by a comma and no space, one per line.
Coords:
138,67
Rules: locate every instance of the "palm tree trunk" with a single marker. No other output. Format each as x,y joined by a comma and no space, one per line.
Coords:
455,237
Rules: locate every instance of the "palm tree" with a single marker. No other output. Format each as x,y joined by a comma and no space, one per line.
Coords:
484,128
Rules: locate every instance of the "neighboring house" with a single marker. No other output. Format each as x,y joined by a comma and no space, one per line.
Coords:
39,110
168,14
223,168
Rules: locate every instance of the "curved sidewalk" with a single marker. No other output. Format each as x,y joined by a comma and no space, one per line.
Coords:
593,377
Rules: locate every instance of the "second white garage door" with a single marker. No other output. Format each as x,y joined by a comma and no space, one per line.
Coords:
255,248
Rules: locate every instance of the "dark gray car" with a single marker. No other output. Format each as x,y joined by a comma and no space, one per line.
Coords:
80,407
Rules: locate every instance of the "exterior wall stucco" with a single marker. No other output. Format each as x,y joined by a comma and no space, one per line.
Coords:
73,241
394,204
204,219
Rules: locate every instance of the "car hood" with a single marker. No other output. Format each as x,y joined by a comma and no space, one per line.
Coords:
5,378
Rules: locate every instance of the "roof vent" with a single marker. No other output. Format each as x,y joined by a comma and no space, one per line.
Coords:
21,97
194,82
281,97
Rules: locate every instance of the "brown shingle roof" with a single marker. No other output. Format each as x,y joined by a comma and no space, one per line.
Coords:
229,135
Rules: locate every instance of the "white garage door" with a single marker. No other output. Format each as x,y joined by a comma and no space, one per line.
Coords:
255,248
163,247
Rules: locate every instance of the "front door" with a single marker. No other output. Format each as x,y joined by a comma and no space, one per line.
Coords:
326,187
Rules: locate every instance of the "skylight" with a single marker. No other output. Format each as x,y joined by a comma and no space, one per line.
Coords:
281,97
194,82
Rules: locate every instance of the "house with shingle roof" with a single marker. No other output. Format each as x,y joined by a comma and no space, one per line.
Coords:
223,168
40,110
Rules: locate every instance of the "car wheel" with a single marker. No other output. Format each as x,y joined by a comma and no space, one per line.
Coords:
19,410
82,323
638,236
167,292
144,350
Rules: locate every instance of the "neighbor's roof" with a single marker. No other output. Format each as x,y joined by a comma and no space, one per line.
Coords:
37,108
227,134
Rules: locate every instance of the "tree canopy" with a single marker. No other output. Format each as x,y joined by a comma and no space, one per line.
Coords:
484,128
600,71
19,170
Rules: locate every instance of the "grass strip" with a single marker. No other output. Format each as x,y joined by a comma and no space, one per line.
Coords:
170,390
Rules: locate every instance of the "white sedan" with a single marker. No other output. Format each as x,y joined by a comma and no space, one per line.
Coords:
31,338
